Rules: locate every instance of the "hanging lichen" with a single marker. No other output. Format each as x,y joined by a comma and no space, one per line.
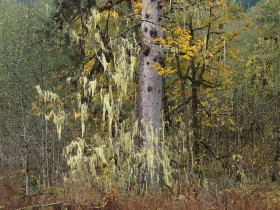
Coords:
59,116
92,87
59,120
107,150
84,117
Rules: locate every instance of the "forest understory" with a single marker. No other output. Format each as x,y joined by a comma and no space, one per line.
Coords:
82,195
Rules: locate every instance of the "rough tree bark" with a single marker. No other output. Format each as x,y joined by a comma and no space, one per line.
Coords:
150,83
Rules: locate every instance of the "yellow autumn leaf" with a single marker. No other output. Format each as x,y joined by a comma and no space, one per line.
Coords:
58,88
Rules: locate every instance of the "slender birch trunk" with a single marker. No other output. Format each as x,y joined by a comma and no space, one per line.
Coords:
26,149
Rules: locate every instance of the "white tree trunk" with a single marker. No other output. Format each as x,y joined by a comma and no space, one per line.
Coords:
150,83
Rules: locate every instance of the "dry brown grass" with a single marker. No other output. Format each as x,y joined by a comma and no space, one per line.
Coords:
242,198
83,195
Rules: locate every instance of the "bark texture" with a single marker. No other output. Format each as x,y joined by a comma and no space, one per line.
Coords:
150,88
150,83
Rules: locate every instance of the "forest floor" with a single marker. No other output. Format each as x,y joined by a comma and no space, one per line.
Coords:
263,196
232,199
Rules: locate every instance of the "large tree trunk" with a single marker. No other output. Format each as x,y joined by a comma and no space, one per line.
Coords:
150,83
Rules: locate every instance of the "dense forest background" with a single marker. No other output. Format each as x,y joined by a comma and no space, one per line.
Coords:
130,104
